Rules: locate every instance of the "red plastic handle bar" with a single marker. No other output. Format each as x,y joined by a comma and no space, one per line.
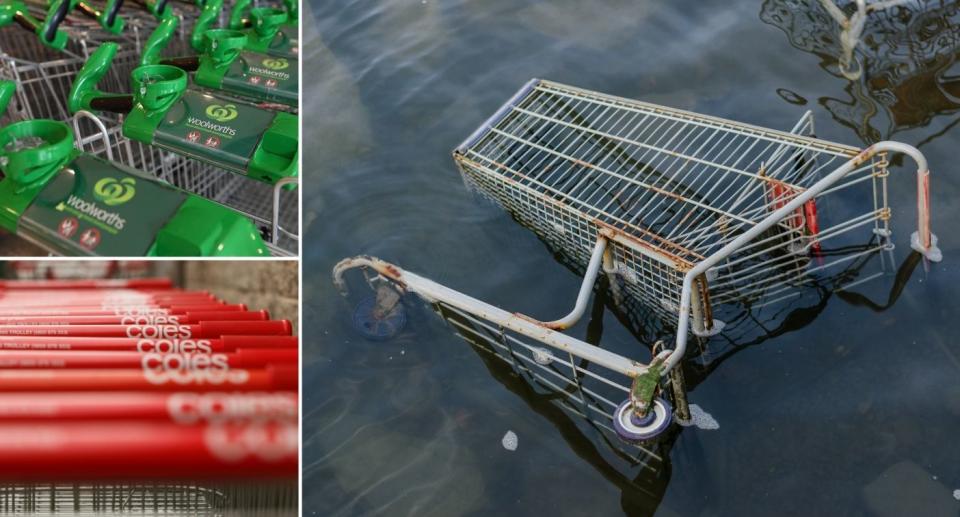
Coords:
131,319
245,358
132,283
181,407
99,295
58,302
147,451
139,309
221,344
271,378
207,329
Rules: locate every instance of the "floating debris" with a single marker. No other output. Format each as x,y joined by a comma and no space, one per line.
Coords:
701,419
509,441
542,356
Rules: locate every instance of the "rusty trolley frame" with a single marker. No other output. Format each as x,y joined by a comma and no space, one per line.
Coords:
683,212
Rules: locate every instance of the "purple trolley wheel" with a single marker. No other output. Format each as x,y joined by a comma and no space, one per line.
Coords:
634,429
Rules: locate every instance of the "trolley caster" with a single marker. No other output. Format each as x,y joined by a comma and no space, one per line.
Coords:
380,317
635,429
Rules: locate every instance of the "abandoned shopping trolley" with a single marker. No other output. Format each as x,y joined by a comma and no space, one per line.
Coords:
683,212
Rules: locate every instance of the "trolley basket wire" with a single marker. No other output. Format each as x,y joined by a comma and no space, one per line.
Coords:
686,213
146,498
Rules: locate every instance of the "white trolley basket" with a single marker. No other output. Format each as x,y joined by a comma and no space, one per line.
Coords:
684,213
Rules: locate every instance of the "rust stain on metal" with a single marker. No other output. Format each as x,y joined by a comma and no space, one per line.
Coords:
679,262
392,271
530,319
667,193
705,300
863,156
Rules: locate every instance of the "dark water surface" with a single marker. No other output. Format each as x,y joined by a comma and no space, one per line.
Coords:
849,409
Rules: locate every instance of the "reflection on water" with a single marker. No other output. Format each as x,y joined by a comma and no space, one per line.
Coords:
908,58
822,399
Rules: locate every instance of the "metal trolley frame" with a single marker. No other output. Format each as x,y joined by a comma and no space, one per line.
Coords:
684,213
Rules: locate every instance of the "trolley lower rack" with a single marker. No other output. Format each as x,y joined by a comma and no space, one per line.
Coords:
683,213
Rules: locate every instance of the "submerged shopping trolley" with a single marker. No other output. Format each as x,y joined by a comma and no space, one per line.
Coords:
683,212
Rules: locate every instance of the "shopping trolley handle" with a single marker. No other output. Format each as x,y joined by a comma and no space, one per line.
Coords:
15,11
157,8
242,17
293,10
158,40
601,255
160,8
923,240
26,167
7,89
84,94
239,15
57,12
646,379
166,29
108,18
267,21
208,18
433,292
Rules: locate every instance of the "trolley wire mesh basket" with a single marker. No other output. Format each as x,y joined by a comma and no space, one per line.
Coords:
686,214
182,498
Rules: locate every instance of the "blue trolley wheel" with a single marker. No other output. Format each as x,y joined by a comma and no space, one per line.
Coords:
632,428
378,327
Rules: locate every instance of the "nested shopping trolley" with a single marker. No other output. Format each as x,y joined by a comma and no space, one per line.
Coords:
274,209
45,76
684,213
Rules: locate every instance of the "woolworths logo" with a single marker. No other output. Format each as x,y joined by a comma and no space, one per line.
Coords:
114,192
278,63
222,113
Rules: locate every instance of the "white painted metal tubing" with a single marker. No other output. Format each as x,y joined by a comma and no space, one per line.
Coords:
926,240
434,292
586,287
583,297
99,123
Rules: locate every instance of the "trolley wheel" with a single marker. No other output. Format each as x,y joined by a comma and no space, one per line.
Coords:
631,428
375,325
